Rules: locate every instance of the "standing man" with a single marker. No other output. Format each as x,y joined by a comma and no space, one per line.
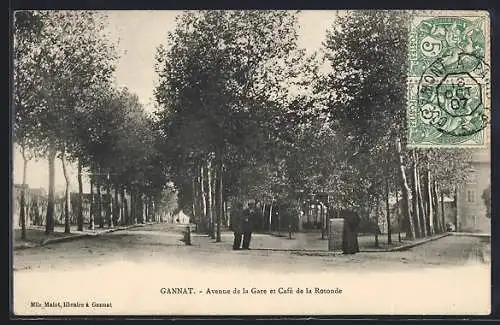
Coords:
249,218
237,225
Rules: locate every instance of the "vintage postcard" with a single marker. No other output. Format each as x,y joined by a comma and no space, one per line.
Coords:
229,162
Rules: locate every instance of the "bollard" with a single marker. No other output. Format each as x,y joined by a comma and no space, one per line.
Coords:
187,236
335,233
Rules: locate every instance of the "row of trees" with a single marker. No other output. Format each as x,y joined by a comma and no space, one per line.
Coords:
242,113
369,62
66,106
225,79
246,114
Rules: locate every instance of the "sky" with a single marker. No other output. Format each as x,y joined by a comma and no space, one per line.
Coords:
138,34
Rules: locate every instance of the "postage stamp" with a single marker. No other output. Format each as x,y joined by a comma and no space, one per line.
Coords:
449,87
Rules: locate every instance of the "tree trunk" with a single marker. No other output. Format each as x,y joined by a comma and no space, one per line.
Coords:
423,217
109,206
270,216
430,210
137,208
219,196
457,218
323,222
49,219
150,209
117,209
92,205
153,211
67,199
377,211
263,214
214,201
133,207
125,214
443,217
144,208
388,212
133,204
435,206
279,223
22,212
415,198
200,212
398,213
209,201
28,208
203,195
405,193
226,217
194,190
80,198
99,204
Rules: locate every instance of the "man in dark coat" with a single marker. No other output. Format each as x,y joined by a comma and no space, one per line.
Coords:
350,234
249,218
237,225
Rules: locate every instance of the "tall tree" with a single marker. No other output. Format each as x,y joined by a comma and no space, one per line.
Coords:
70,55
27,29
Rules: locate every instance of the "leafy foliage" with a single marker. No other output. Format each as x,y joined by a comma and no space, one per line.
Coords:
225,80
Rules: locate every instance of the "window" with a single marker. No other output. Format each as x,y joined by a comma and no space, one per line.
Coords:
471,196
473,178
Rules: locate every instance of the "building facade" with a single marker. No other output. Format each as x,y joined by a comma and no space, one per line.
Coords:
472,211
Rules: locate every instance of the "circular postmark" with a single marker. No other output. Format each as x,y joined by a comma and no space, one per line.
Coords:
450,94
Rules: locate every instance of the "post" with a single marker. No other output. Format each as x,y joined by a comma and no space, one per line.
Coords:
335,233
187,236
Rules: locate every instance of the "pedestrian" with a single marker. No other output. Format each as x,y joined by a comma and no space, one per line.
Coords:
350,233
237,225
249,218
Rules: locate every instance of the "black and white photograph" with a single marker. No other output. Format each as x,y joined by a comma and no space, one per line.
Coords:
250,162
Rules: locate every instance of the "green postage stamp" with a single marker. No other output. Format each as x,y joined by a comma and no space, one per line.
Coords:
449,90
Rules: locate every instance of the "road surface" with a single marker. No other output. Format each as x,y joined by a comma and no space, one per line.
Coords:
448,275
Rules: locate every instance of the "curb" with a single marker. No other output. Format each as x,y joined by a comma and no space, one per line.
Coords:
317,253
411,245
338,253
45,242
470,234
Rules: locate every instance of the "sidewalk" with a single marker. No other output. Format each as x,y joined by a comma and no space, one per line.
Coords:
36,235
311,242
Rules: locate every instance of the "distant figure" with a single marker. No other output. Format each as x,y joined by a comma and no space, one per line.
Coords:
237,225
350,234
250,216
